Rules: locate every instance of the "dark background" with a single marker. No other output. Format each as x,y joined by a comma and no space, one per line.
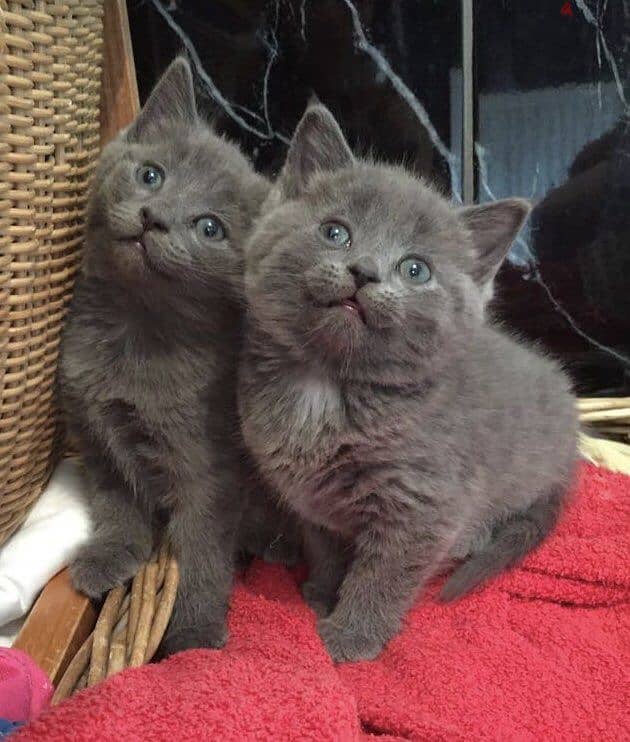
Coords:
267,58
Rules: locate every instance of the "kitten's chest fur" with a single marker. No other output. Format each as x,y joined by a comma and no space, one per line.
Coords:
117,367
145,394
315,444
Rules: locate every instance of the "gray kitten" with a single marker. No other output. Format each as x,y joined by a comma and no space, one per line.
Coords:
403,426
148,366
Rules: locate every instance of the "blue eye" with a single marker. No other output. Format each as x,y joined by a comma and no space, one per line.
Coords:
209,229
150,176
336,234
414,270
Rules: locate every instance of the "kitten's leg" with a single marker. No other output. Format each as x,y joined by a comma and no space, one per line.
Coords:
122,535
268,532
285,544
203,537
508,541
380,586
327,563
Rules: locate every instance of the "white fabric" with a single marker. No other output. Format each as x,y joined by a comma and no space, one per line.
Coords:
47,541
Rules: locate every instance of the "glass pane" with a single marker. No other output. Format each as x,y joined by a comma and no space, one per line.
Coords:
385,69
552,125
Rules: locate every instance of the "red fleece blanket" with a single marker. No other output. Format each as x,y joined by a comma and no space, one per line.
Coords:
542,653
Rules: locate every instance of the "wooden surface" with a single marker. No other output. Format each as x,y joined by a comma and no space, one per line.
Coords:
61,618
57,625
119,89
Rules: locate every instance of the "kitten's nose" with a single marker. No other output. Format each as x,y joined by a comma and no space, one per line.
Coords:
364,271
150,221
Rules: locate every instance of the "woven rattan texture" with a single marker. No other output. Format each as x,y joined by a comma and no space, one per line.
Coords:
129,628
50,73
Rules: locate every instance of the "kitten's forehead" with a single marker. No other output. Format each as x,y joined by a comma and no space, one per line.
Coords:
376,196
198,151
390,213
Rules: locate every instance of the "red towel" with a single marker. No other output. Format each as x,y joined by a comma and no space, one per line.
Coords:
542,653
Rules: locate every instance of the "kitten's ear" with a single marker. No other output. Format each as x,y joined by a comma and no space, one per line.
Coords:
318,144
172,100
493,227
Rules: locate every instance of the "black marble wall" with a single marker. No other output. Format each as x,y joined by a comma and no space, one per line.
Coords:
552,123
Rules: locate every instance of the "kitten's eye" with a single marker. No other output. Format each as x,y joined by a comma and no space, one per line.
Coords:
209,229
336,234
414,270
150,176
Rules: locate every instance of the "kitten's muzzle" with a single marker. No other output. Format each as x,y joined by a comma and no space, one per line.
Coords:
141,244
364,271
144,241
151,222
352,305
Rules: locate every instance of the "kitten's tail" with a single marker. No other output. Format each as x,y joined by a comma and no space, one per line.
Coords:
511,540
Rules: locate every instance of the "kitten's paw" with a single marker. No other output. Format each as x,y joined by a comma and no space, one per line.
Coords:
346,645
100,567
319,600
209,636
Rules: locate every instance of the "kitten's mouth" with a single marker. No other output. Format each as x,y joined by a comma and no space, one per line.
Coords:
351,306
137,243
136,248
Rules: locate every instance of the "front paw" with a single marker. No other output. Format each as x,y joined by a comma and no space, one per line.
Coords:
100,567
210,635
347,644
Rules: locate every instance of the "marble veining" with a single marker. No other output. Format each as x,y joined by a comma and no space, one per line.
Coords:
382,90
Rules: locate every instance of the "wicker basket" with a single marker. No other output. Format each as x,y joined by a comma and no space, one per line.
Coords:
50,76
129,629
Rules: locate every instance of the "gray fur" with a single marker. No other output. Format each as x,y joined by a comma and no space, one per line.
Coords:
425,433
148,364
